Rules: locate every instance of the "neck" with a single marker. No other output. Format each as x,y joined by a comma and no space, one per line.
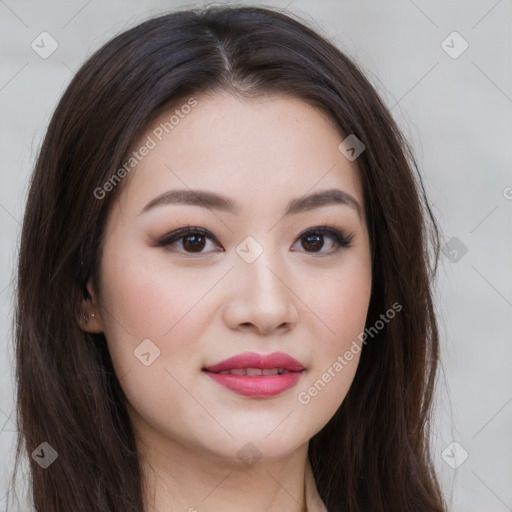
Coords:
183,479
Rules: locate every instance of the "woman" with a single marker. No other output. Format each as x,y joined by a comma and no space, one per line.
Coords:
224,281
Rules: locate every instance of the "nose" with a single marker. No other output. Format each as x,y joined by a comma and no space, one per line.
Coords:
261,297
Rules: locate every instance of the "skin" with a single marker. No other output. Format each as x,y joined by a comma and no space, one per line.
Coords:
199,309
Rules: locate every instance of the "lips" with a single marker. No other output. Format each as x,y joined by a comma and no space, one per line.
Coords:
257,375
254,361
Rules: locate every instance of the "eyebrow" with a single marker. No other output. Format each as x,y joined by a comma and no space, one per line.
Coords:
214,201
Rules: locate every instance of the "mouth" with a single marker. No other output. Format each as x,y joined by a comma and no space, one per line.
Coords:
254,372
257,375
255,364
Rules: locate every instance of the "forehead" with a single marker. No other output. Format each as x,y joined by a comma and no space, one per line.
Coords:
259,150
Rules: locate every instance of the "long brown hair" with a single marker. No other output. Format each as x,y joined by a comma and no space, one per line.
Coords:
373,455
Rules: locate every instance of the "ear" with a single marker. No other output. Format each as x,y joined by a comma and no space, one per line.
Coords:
90,315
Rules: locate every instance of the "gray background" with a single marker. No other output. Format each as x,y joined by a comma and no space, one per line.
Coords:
455,111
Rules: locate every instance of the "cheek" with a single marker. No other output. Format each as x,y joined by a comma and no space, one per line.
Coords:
340,306
153,329
339,303
143,301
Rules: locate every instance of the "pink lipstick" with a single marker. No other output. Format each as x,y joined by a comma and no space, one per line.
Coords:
257,375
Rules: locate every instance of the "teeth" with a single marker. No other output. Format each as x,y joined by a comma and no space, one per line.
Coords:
251,372
254,372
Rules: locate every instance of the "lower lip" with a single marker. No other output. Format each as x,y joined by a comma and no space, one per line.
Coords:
258,386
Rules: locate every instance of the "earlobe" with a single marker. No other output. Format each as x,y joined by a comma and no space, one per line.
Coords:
90,317
90,322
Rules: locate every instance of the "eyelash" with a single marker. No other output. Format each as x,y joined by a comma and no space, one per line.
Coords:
342,241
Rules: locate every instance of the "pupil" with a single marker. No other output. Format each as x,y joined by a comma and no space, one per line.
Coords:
314,241
194,242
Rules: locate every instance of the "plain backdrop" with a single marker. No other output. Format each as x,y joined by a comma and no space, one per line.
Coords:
452,96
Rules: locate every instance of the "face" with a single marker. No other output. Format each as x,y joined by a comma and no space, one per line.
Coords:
271,264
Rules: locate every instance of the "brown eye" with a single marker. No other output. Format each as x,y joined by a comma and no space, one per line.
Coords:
190,240
193,243
314,240
313,243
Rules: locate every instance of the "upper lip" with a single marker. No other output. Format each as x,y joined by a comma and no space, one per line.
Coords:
254,360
